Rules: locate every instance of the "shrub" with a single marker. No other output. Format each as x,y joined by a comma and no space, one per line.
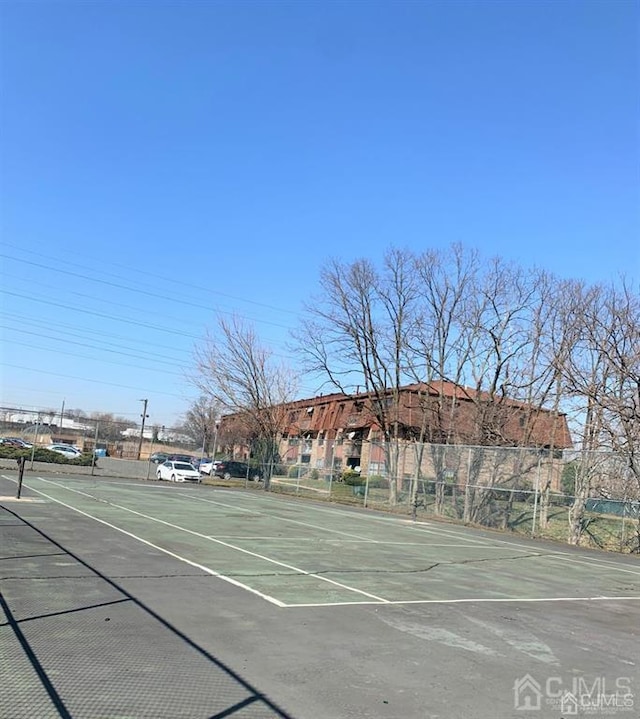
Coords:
40,454
352,478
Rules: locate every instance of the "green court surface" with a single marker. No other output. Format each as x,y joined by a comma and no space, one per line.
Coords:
298,554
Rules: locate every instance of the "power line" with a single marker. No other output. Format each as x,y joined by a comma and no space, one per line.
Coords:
147,293
82,344
94,381
104,315
87,331
95,359
115,318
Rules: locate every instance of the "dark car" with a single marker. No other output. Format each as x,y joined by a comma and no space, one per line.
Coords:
227,470
158,457
180,458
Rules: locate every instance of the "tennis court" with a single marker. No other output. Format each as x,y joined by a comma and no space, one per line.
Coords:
205,602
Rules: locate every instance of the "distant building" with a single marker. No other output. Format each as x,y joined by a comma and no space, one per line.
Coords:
44,419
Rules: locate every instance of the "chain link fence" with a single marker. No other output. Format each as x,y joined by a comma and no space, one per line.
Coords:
589,497
526,491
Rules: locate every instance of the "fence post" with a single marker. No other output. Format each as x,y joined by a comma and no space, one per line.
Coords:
21,463
149,463
35,439
366,490
535,500
467,500
95,447
623,528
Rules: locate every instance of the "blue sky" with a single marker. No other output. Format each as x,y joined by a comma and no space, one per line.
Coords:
164,162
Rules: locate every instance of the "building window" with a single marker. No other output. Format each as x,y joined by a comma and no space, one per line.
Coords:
377,468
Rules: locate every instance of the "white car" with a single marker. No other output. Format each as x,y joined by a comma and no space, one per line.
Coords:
208,465
67,449
177,472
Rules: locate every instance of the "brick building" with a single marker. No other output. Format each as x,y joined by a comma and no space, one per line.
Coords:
337,431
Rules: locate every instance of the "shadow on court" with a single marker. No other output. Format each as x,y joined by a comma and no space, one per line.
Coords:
75,644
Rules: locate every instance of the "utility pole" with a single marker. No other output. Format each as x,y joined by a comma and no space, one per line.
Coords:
62,414
144,416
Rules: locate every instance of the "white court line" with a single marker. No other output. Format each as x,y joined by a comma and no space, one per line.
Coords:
298,570
380,542
471,600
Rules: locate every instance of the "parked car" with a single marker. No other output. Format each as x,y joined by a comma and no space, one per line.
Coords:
67,449
15,442
177,472
159,457
241,470
180,458
206,464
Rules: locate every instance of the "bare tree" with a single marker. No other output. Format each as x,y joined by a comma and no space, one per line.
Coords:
355,335
616,334
481,343
237,372
603,375
200,422
111,426
439,353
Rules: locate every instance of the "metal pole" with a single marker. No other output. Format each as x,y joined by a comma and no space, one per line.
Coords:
95,447
144,417
623,532
21,463
535,501
35,439
215,443
149,461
